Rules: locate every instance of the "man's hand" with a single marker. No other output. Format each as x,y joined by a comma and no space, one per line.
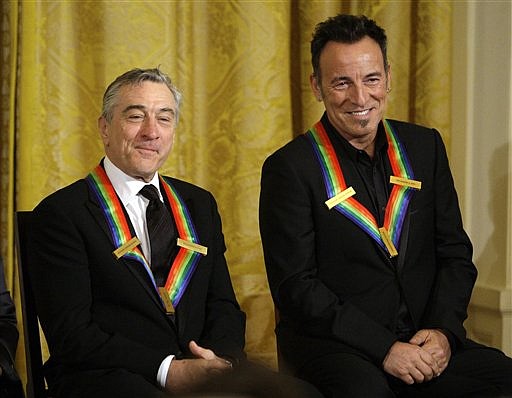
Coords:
436,343
410,363
185,373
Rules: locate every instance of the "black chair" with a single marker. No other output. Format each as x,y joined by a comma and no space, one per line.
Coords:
35,387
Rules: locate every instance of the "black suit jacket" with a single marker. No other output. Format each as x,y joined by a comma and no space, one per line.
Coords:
335,288
99,313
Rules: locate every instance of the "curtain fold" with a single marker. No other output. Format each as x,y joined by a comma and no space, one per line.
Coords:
243,67
9,23
8,54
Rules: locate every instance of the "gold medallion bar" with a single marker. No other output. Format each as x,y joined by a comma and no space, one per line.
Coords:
388,242
164,295
344,195
126,247
192,246
405,182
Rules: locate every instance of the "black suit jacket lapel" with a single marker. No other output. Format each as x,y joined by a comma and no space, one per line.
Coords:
135,267
404,237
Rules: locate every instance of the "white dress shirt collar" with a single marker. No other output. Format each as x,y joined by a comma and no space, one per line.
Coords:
127,187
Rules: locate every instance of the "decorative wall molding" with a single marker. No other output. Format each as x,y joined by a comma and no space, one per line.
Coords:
490,320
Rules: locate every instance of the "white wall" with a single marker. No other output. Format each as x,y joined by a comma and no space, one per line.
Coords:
481,159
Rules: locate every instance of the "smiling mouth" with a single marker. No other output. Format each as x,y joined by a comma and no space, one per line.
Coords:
360,113
147,152
143,149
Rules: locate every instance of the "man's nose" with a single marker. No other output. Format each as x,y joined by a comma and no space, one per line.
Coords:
150,127
358,94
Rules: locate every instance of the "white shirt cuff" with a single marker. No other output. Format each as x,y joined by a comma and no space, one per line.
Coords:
163,370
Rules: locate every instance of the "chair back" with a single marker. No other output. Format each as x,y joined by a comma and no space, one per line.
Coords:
35,387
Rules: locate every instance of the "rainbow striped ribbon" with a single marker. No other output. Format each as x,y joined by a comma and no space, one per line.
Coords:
185,261
109,202
389,235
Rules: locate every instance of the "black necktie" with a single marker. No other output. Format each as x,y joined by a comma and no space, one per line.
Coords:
161,233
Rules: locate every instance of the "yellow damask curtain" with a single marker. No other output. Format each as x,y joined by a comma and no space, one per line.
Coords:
243,67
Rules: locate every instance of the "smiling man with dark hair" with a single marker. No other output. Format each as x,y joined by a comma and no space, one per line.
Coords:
366,256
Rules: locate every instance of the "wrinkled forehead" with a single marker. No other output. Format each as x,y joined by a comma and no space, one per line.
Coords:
145,94
363,53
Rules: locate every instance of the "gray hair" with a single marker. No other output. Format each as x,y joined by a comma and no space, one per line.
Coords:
133,77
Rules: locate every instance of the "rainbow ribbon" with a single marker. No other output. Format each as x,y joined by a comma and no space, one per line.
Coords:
350,207
186,260
109,202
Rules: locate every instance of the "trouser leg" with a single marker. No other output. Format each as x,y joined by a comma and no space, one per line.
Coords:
346,376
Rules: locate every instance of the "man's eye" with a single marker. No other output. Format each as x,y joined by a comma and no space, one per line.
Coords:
136,117
372,81
341,85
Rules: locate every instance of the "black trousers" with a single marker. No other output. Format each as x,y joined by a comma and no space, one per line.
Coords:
114,383
246,380
251,380
11,388
476,371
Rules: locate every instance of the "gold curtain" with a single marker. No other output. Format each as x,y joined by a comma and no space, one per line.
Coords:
243,67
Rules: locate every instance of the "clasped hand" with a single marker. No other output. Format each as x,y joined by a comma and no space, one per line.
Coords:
424,357
186,373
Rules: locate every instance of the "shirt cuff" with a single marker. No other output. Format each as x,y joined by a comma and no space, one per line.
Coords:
163,370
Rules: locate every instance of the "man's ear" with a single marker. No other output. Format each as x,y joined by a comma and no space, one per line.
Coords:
315,87
388,79
103,128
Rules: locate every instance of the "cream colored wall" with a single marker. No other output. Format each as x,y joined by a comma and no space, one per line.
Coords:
481,159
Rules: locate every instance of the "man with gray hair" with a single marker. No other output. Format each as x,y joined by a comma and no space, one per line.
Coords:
130,280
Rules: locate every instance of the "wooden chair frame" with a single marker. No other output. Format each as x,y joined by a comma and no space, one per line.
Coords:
35,387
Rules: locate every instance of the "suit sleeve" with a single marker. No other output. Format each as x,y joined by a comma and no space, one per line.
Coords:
224,327
456,273
288,236
62,287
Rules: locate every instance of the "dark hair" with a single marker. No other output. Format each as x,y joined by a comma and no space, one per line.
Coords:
345,28
136,76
